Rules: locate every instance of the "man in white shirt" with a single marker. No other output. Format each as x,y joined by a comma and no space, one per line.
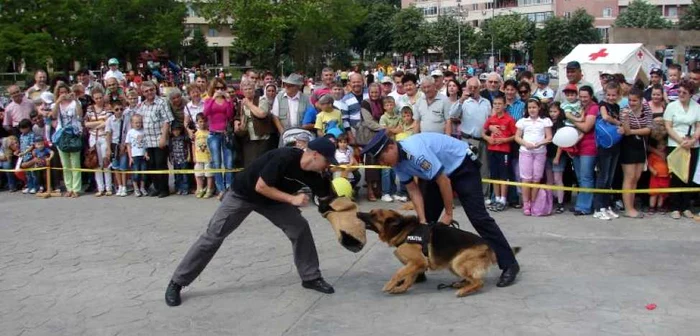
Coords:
40,79
290,105
439,78
113,64
397,76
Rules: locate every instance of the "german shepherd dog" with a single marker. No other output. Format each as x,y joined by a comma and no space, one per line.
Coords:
421,247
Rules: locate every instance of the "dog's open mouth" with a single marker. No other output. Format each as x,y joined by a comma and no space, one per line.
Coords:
367,219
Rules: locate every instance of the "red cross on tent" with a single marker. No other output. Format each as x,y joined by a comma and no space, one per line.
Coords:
600,54
640,55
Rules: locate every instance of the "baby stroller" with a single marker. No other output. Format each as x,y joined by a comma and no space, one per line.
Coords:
289,137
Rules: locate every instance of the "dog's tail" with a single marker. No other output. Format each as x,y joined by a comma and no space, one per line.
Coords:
517,249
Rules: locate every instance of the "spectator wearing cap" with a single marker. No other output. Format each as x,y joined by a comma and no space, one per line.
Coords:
439,77
387,86
574,75
656,76
40,85
447,165
327,79
543,92
113,71
271,188
17,110
291,104
493,87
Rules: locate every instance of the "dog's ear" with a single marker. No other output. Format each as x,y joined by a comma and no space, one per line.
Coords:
393,221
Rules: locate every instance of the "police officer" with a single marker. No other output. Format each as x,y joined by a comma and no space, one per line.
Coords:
448,164
269,187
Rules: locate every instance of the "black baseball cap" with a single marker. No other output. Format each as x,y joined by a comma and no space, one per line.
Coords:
573,65
325,147
656,71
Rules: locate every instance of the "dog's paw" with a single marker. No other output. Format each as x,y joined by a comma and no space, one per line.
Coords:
388,286
398,290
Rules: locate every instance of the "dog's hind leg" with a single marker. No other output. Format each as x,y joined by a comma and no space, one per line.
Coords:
471,265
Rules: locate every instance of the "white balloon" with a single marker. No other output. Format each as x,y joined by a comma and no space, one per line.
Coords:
565,137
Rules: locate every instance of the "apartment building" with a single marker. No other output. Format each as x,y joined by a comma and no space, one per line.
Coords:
219,38
669,9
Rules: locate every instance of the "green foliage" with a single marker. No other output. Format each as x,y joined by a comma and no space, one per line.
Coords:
540,57
508,32
690,20
197,52
409,32
444,33
39,31
641,14
564,34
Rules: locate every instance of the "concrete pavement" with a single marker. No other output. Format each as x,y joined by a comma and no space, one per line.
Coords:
100,267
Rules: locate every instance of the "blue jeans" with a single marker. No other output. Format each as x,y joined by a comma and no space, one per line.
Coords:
607,164
584,167
139,165
32,180
11,181
388,182
181,183
220,154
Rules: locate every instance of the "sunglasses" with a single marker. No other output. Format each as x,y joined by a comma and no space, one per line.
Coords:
524,92
220,87
118,110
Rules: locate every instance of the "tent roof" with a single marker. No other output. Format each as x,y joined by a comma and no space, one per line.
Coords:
603,53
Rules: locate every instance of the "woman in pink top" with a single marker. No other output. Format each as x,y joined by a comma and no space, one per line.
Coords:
584,161
219,112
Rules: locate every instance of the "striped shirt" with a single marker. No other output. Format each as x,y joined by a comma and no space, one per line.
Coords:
639,121
352,116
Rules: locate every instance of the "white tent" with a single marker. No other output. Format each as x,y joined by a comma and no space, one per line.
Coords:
631,59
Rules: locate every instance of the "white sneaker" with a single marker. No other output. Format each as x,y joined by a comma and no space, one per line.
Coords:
387,198
144,192
25,190
137,193
398,198
403,199
122,190
611,213
32,191
487,201
601,215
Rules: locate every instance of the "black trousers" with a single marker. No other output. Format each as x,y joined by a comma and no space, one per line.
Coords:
466,182
158,160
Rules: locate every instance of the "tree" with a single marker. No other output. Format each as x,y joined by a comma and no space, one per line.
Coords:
509,32
409,32
197,51
641,14
443,35
690,20
374,33
564,34
540,55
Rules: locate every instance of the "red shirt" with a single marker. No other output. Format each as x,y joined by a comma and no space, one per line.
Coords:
507,125
587,145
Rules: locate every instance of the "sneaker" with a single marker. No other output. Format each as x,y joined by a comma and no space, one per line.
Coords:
41,189
108,192
32,191
686,213
611,213
676,215
99,193
527,209
25,190
137,193
560,208
499,206
487,202
387,198
199,193
601,215
185,193
144,192
398,198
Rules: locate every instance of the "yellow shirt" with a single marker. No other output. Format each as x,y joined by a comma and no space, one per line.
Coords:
323,118
201,148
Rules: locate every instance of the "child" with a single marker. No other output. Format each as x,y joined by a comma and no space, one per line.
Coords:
202,158
26,144
180,156
302,141
393,125
671,87
556,158
660,177
8,146
117,127
327,117
41,156
533,133
499,148
543,91
407,123
136,149
344,154
572,108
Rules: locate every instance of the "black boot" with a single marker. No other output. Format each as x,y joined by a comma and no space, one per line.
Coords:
172,294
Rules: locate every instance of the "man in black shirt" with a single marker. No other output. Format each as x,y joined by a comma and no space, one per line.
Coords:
269,187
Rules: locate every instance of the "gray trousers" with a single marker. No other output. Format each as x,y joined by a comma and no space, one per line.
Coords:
232,211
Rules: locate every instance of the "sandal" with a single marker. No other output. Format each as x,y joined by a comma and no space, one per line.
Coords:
638,215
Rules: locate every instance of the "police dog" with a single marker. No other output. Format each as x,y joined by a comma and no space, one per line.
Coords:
421,247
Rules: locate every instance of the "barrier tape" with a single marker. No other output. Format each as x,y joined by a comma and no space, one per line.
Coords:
485,180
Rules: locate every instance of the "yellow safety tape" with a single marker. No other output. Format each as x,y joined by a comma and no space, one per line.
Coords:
486,180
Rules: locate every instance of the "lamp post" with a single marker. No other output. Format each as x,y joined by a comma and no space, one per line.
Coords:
216,53
493,15
459,40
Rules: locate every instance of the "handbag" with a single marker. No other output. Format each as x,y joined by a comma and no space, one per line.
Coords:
67,139
91,161
606,135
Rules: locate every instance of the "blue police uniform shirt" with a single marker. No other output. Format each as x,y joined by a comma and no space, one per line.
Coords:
426,155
